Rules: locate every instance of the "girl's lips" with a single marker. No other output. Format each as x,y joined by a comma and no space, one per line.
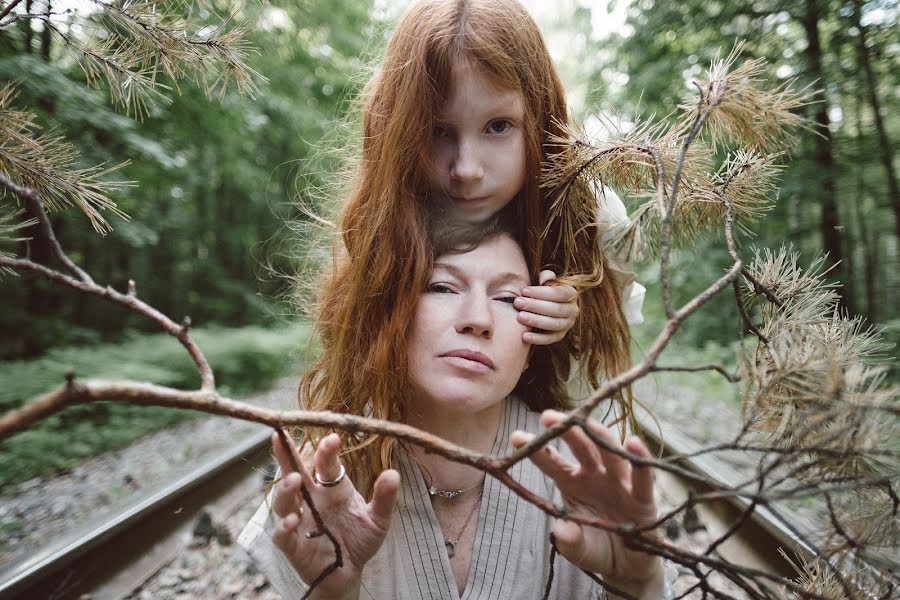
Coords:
469,356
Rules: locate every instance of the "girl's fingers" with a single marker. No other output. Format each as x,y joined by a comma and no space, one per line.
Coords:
616,466
551,293
641,477
384,497
560,310
551,324
545,276
328,465
542,339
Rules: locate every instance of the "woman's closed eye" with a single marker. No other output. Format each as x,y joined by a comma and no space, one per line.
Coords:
441,288
506,298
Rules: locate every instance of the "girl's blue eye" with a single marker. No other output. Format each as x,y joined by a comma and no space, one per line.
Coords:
507,299
440,130
440,288
500,126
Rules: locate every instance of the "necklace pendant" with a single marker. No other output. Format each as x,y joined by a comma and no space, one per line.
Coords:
451,548
432,491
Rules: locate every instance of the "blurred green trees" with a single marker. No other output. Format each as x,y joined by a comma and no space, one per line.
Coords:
215,178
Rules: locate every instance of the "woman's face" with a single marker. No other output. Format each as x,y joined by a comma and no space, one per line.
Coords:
465,344
478,148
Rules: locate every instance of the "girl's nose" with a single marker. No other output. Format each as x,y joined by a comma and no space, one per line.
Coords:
475,318
467,165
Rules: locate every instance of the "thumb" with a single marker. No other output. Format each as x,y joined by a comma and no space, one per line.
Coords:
384,497
569,540
582,551
545,276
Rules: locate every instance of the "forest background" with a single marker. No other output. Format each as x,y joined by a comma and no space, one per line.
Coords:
216,183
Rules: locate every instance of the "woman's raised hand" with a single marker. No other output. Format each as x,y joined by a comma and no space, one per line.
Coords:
550,308
360,528
605,485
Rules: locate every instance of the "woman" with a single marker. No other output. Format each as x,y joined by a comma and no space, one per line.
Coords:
438,529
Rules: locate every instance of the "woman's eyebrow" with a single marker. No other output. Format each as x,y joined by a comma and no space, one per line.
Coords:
499,278
510,277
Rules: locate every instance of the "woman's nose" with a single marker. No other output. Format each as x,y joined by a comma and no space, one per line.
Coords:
475,318
467,164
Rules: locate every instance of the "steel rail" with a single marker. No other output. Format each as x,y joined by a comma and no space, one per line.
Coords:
24,575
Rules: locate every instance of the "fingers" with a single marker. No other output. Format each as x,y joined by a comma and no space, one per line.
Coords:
285,535
287,498
327,463
384,497
552,293
569,537
616,466
550,309
282,455
547,308
547,459
584,450
641,477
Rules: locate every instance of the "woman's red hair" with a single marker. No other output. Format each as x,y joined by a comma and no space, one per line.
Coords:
384,259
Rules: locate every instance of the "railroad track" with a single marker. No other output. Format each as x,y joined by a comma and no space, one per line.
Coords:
112,559
116,558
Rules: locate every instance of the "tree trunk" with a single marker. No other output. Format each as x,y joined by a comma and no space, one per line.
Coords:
869,266
886,154
45,36
823,155
29,32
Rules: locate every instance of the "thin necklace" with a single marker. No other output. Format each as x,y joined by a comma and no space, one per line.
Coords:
449,494
433,490
451,544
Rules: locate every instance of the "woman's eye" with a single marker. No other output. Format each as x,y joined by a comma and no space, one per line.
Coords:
507,299
440,288
440,130
500,126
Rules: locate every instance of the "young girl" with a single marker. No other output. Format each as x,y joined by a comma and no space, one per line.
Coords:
460,114
438,529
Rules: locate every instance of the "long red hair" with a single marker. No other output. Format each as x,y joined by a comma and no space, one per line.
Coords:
383,259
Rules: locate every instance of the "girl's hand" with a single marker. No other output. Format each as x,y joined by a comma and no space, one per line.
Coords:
550,309
601,484
360,528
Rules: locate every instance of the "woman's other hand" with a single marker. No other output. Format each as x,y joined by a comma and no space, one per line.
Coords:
360,528
550,310
601,484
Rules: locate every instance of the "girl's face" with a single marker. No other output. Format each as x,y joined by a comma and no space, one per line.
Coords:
478,147
465,345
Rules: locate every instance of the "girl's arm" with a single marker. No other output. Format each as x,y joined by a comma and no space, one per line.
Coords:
550,310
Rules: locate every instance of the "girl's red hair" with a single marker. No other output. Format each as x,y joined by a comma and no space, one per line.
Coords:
384,259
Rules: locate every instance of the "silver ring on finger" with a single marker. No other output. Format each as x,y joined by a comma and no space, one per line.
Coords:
333,482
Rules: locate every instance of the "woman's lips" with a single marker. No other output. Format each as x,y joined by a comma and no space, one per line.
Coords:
469,359
468,199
